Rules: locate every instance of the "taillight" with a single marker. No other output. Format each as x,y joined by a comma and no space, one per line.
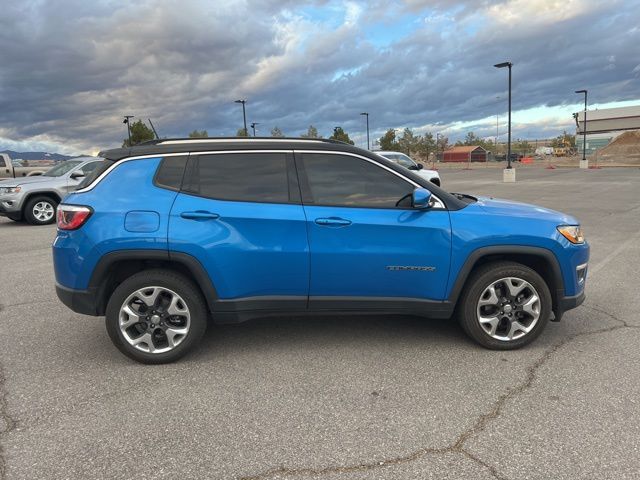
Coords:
72,217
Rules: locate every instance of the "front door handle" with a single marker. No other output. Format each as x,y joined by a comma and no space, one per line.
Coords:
333,222
199,215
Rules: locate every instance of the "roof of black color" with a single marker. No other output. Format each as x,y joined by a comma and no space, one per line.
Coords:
178,145
185,145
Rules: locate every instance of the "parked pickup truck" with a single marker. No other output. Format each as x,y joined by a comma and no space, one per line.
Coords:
9,169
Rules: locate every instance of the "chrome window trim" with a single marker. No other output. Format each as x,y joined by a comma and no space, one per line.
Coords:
435,201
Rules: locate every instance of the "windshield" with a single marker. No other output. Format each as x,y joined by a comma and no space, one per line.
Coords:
61,169
401,159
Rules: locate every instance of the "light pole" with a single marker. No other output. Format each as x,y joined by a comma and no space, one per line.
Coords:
253,127
437,143
244,115
126,120
509,174
584,163
366,114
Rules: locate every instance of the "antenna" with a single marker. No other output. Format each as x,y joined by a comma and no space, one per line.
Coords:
154,129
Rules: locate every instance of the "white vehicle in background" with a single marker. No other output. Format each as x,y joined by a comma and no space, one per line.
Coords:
408,163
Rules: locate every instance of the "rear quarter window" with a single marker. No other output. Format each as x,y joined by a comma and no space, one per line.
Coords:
170,172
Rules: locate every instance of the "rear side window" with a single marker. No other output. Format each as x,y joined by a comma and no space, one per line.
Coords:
2,163
245,177
170,172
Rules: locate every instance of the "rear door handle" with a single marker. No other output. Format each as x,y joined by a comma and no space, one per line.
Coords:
333,222
199,215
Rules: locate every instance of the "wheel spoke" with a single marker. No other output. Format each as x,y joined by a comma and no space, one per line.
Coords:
517,327
132,317
532,306
145,338
492,322
492,299
515,286
149,299
172,333
175,308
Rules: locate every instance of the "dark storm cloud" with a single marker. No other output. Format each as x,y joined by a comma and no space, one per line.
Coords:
71,69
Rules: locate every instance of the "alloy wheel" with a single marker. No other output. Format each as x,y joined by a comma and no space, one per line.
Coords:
154,319
509,308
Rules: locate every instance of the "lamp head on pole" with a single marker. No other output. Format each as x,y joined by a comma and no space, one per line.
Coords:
503,64
365,113
240,101
581,91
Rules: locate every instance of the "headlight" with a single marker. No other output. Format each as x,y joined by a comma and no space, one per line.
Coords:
10,189
573,233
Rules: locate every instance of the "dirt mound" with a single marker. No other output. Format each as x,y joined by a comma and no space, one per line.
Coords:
627,143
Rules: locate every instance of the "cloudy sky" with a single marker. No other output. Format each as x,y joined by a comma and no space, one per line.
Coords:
70,69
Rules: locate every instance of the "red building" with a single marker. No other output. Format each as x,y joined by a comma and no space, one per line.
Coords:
465,154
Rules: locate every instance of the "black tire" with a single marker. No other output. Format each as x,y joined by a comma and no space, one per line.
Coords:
467,311
436,182
167,279
31,217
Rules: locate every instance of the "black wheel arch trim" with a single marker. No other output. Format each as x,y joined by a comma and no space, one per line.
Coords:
100,274
493,250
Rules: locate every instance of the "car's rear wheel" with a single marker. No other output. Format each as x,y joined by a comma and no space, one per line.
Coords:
156,316
40,211
506,305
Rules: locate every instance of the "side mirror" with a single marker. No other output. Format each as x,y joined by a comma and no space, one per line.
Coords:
76,175
420,198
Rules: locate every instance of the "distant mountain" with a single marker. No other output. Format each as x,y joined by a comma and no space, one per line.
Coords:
37,155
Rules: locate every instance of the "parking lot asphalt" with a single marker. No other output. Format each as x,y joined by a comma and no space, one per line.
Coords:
336,397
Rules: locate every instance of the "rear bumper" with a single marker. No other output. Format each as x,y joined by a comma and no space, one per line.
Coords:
80,301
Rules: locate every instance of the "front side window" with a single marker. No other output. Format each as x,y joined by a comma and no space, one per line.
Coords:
343,180
245,177
2,162
89,167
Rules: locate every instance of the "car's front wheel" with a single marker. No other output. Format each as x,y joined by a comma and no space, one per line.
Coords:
156,316
506,305
40,211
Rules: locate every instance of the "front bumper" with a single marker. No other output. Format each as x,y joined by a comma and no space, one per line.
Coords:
80,301
9,206
568,303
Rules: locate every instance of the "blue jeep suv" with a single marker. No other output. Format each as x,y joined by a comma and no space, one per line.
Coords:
166,235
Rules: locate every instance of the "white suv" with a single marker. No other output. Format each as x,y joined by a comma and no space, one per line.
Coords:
407,162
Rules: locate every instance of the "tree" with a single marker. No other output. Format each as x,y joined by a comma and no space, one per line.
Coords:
340,135
139,133
312,132
242,132
388,140
198,134
408,142
276,132
426,144
523,146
